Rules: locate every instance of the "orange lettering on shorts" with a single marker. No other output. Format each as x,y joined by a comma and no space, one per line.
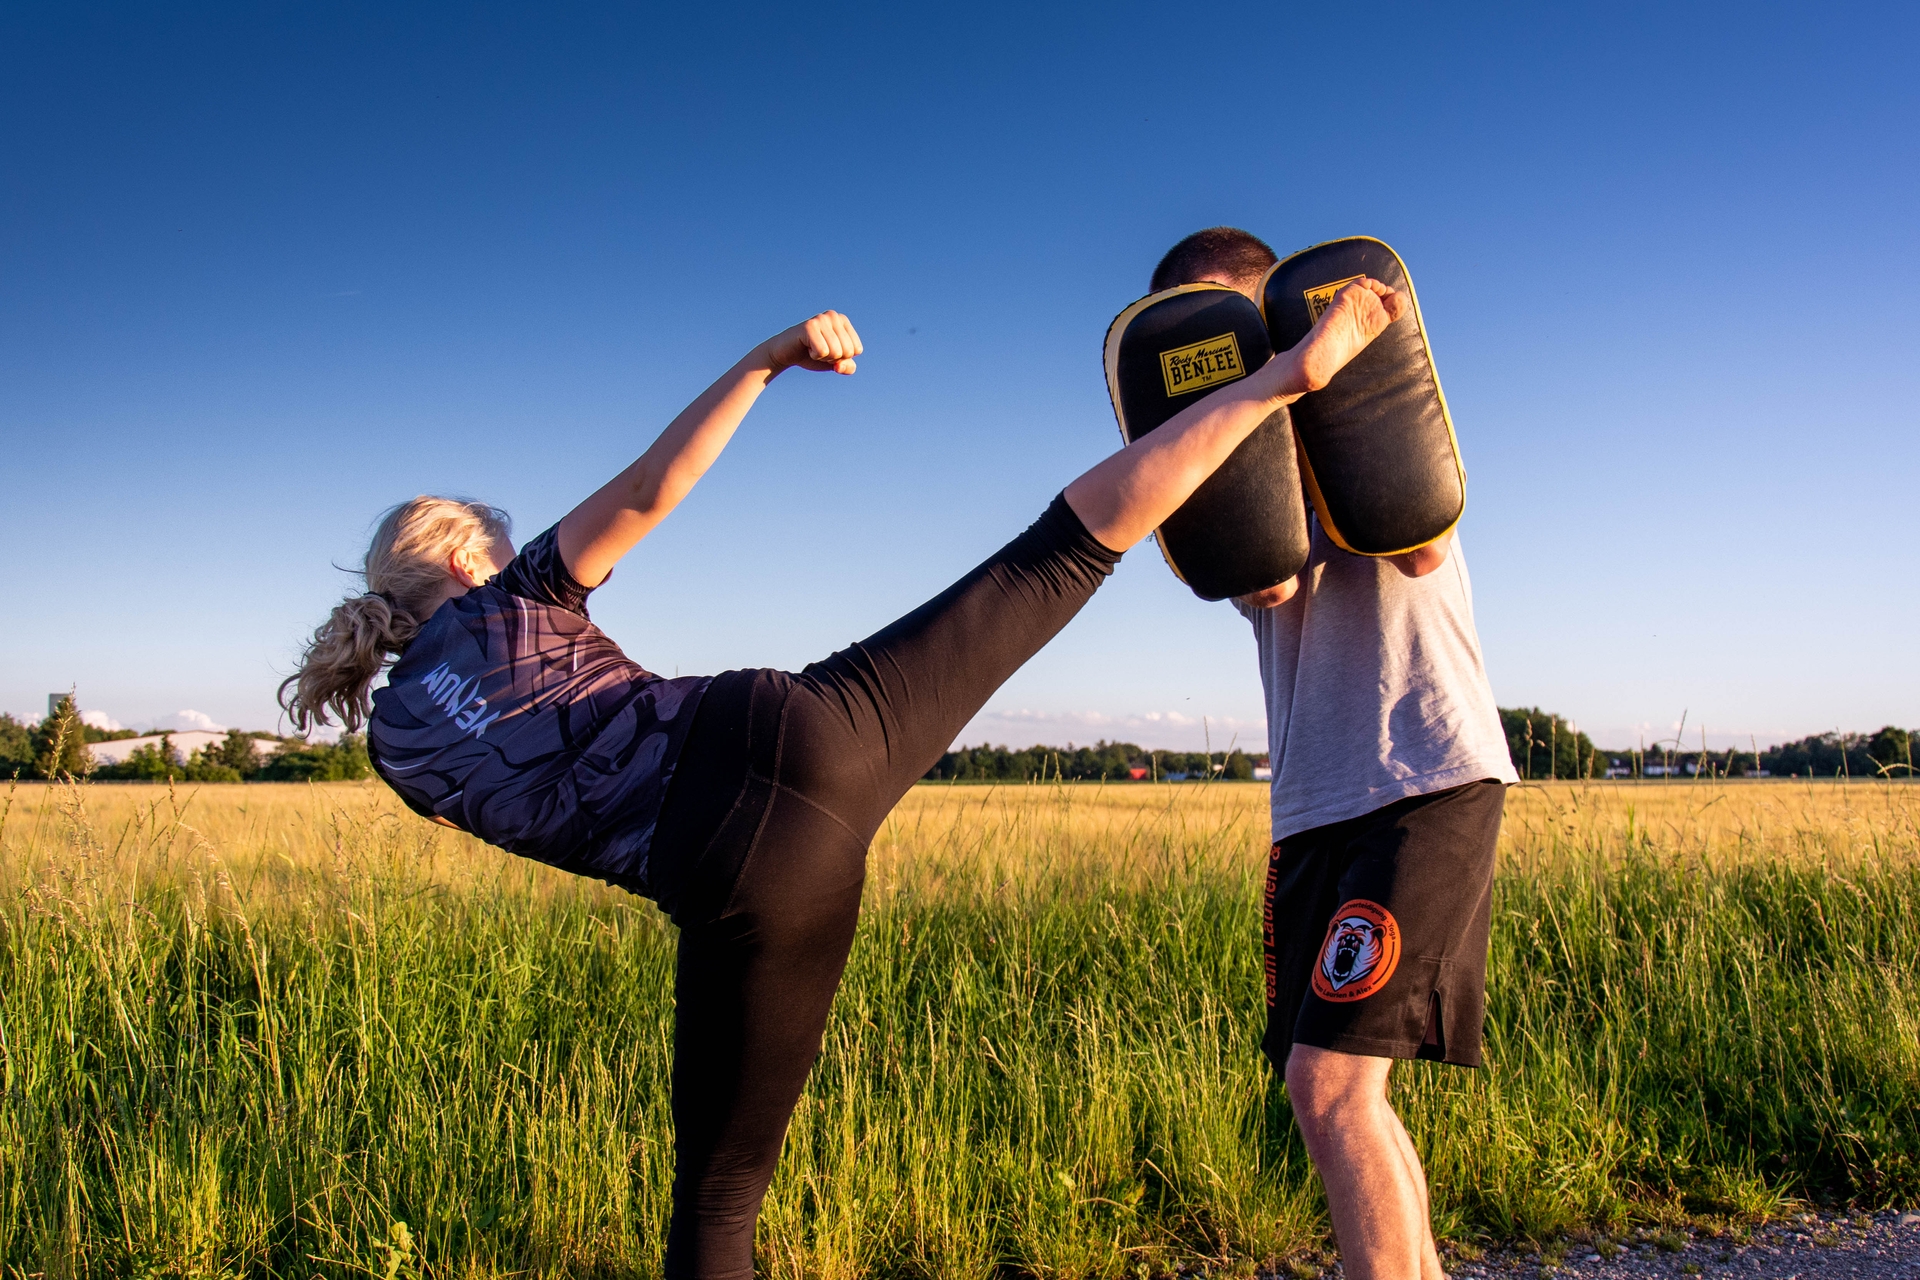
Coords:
1266,926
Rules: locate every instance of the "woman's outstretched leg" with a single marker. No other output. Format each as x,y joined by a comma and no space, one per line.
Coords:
869,721
881,711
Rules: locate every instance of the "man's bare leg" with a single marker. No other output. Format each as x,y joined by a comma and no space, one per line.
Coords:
1376,1189
1430,1258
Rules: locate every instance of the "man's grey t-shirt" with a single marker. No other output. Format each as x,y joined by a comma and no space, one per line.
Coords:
1375,688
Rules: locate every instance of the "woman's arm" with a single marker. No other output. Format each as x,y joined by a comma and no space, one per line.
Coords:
595,534
1127,496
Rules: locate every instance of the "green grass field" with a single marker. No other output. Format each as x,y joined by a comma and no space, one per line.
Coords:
278,1030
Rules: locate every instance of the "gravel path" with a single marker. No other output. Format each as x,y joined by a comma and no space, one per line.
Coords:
1883,1246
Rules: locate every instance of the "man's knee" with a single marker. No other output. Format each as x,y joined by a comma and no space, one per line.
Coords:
1327,1087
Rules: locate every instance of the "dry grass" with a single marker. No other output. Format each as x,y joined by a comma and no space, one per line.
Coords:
945,836
282,1029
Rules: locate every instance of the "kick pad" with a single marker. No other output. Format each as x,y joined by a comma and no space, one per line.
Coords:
1245,528
1377,448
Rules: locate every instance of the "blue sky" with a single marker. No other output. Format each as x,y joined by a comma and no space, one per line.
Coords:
265,270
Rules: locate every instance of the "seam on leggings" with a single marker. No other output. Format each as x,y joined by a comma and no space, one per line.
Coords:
694,857
760,827
753,846
821,809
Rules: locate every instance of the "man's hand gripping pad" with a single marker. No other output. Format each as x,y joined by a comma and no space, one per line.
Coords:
1376,443
1245,528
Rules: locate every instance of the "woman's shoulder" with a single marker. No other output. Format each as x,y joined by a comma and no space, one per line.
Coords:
540,574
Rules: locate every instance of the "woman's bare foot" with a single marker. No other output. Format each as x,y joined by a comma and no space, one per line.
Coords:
1126,497
1359,314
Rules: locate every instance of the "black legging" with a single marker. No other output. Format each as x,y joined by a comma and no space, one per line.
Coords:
781,786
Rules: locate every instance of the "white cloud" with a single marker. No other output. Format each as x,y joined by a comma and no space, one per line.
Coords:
101,720
189,720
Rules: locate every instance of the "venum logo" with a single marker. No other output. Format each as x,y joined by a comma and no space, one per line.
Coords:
456,697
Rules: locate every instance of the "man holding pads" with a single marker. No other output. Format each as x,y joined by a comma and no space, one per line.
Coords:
1389,772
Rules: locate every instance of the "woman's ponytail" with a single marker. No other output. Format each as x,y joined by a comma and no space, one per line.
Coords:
348,652
406,573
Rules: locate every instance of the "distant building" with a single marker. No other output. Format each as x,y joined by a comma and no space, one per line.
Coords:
185,743
1261,773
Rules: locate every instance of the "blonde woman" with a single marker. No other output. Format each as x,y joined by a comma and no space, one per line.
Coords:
742,803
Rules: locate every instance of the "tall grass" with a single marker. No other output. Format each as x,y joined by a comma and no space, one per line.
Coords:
287,1031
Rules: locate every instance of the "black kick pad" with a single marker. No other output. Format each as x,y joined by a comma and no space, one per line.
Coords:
1376,443
1245,528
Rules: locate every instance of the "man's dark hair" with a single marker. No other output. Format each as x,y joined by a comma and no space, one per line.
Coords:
1218,251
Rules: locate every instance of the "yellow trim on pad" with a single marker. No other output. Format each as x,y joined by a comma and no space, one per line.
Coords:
1446,414
1111,359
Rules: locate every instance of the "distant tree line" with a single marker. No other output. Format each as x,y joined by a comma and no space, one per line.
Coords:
57,747
1544,744
1102,762
1885,753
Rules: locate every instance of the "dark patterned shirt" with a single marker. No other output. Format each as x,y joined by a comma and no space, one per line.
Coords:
515,718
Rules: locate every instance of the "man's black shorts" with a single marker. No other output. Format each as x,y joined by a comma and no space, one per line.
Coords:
1376,930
